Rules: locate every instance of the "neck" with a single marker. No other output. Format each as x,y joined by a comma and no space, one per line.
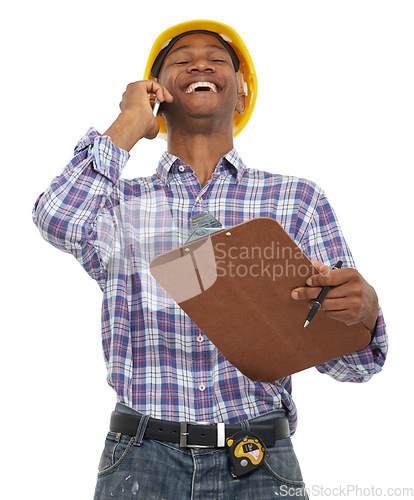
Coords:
201,151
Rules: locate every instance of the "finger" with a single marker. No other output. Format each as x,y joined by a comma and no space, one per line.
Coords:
336,304
333,278
163,94
339,292
322,268
305,293
151,87
342,316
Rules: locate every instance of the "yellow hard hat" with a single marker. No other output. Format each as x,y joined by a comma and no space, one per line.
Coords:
246,72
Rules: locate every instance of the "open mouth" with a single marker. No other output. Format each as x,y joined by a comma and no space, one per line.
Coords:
201,87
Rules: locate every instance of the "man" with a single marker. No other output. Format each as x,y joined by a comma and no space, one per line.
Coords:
165,372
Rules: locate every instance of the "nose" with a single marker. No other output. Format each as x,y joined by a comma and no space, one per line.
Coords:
201,64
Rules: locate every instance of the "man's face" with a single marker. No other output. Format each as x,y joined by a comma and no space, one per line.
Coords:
199,73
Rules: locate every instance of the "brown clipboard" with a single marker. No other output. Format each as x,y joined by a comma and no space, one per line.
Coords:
236,286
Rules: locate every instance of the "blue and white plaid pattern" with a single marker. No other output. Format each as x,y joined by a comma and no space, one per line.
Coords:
158,361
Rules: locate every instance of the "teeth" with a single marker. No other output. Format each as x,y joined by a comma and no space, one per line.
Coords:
191,88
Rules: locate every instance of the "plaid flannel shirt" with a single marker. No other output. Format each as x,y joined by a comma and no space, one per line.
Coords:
158,361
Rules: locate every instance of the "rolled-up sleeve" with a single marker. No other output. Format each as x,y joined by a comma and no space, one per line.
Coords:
75,213
324,241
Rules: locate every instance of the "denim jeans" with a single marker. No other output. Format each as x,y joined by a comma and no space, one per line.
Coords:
133,468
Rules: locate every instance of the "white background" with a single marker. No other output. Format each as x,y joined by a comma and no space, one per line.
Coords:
335,105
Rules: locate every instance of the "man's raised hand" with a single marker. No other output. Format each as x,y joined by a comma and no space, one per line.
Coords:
136,119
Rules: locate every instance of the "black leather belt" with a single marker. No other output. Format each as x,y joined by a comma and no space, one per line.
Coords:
192,435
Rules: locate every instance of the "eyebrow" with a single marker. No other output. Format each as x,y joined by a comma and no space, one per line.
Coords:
191,46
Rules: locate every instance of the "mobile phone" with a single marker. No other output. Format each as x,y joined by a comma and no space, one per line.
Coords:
156,107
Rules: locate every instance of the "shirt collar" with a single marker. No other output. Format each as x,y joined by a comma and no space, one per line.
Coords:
229,164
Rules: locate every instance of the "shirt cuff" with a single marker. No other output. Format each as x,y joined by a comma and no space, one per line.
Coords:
380,337
108,159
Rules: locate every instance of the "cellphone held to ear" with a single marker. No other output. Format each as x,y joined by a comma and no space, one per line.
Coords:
156,107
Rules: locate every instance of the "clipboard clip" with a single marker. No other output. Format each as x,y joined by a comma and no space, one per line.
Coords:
203,225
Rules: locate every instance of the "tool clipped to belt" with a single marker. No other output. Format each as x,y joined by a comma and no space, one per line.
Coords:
246,452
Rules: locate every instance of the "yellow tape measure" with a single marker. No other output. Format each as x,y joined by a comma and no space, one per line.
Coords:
246,452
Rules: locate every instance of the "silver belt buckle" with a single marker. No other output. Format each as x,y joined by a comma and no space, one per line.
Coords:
184,436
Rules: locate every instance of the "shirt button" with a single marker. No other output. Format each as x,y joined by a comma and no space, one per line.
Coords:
200,338
222,177
202,387
181,168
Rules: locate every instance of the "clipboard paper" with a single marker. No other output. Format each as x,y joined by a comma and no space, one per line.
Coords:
236,286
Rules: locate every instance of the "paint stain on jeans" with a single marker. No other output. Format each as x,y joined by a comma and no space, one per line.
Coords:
135,488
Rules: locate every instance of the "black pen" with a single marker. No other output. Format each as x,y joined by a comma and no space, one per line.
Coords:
320,298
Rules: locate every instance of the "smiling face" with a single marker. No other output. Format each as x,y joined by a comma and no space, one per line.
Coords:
199,73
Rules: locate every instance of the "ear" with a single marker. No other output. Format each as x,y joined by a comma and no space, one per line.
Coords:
241,103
